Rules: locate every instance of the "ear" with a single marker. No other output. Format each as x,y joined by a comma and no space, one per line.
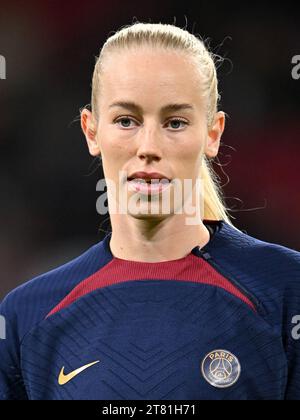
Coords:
89,129
214,135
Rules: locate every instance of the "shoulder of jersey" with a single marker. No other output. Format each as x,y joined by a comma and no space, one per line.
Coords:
270,255
29,303
268,270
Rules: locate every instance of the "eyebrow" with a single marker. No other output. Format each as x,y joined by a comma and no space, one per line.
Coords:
137,108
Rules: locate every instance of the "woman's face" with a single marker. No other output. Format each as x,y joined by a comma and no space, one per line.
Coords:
146,135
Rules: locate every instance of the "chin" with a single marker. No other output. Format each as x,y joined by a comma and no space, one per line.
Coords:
150,216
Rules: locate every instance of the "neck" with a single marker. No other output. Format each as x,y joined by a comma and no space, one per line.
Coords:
155,240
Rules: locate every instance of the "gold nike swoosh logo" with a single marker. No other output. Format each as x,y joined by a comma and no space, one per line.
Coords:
64,379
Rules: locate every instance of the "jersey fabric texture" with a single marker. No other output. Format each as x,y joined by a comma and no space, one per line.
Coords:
214,325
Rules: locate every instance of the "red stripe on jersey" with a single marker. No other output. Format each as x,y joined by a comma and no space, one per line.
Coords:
190,268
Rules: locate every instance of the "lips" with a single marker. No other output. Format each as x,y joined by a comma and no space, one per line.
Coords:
152,181
149,183
154,186
149,177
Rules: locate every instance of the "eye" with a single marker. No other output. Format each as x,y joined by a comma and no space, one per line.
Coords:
176,121
127,120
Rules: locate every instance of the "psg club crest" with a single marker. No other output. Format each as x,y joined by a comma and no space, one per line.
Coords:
221,368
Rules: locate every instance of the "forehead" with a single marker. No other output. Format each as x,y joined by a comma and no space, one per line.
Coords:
150,75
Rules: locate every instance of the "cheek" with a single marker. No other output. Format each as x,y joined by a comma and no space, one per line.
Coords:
191,149
112,147
115,155
190,157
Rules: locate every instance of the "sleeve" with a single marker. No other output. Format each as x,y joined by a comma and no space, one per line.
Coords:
292,335
11,382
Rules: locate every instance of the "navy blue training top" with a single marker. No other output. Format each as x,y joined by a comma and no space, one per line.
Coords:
218,324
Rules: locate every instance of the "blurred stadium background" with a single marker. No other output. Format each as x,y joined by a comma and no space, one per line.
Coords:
48,179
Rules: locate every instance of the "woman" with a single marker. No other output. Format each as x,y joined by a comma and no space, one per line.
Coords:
167,306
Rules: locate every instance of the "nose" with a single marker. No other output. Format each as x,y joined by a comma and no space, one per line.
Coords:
149,144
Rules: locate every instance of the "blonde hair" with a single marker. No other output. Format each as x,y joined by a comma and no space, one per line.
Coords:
171,37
